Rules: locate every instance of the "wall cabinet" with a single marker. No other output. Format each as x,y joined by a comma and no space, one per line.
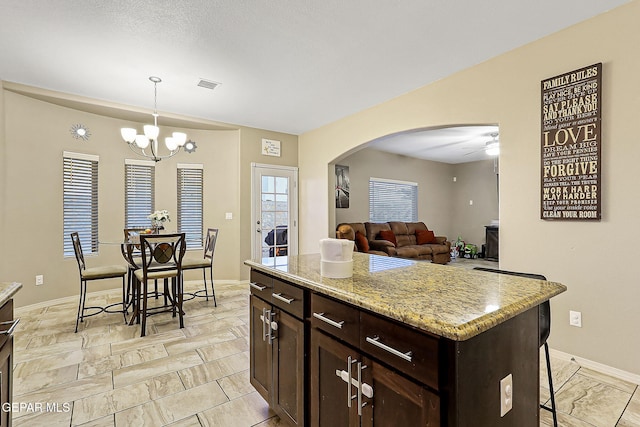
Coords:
277,358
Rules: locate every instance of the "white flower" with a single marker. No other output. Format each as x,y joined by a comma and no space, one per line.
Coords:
161,216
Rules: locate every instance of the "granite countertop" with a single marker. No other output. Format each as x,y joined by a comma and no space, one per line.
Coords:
8,290
451,302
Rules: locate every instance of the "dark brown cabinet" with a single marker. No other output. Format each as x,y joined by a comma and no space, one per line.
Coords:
277,358
7,325
350,389
365,369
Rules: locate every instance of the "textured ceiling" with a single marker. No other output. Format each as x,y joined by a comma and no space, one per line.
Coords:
284,65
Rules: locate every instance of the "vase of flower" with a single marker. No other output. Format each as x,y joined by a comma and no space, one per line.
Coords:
158,218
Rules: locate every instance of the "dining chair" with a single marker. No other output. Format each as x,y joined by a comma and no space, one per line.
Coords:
134,260
161,259
206,262
96,273
544,328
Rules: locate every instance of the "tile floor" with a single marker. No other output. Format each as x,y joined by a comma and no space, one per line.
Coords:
106,375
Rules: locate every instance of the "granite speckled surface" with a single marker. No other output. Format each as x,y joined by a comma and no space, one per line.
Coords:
8,290
451,302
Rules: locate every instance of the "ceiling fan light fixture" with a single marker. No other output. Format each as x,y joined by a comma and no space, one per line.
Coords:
493,148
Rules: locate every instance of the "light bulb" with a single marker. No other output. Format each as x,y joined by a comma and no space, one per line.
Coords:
151,131
128,134
142,141
180,138
171,143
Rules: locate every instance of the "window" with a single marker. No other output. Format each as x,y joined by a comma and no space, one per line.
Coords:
80,201
139,192
190,178
391,200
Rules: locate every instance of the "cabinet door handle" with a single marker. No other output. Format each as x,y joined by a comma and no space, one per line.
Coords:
264,326
254,285
376,341
359,388
9,331
283,299
329,321
269,323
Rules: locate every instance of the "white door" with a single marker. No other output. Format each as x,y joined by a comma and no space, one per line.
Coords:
274,213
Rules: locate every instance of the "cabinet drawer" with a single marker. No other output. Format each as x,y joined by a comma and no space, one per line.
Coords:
335,318
410,351
288,297
261,285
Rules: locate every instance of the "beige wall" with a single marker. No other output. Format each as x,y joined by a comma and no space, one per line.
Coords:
36,134
477,182
592,258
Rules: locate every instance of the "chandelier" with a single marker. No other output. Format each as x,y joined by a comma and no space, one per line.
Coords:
146,144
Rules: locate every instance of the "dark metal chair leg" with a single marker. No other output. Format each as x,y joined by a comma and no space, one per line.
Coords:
79,306
204,277
213,291
553,399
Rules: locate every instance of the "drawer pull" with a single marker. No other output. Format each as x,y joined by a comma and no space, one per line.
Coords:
329,321
283,299
376,341
257,287
9,331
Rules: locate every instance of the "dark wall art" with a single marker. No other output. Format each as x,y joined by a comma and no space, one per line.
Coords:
571,145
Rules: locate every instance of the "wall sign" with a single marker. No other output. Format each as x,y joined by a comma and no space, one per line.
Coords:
270,147
571,145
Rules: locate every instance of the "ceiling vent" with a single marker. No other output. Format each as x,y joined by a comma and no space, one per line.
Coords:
208,84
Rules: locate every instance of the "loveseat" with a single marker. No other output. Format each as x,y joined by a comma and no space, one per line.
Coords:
402,239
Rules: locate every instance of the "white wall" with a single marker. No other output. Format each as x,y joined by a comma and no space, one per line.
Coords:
594,259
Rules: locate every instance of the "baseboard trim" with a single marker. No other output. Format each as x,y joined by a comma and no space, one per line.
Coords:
72,298
599,367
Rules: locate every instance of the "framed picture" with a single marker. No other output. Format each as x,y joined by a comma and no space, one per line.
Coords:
342,186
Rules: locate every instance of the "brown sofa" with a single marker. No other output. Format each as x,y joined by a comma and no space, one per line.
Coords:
405,246
350,230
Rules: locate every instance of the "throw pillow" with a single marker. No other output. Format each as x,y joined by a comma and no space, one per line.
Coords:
425,236
388,236
361,242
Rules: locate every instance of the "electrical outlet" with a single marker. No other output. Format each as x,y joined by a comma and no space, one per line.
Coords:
575,318
506,394
39,280
470,202
228,215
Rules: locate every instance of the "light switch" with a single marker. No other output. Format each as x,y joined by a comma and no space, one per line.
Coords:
228,215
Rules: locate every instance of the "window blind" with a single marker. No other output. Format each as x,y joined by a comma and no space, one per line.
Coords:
139,192
80,202
391,200
190,183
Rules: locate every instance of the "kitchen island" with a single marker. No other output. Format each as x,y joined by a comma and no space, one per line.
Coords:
401,342
7,327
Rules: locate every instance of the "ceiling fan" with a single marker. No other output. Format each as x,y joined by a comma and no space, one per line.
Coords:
491,148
